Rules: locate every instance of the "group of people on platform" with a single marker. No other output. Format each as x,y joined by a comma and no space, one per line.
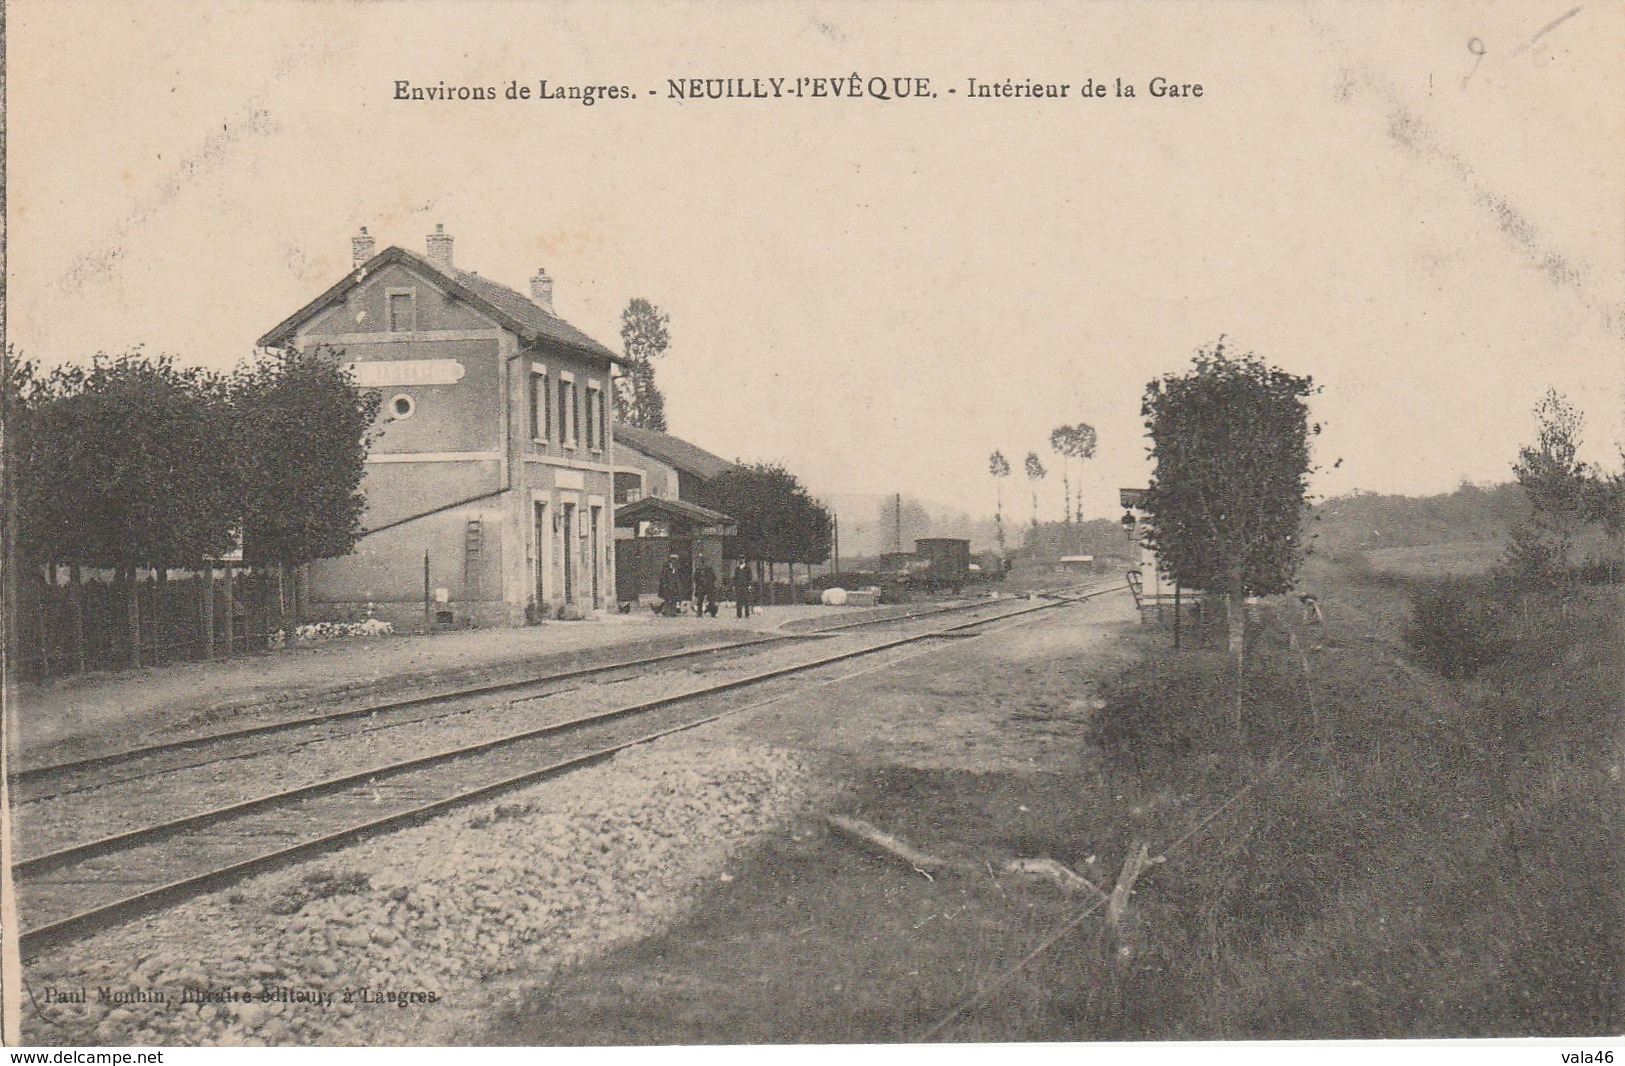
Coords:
676,587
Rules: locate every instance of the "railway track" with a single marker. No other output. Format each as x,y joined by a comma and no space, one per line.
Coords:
75,890
32,784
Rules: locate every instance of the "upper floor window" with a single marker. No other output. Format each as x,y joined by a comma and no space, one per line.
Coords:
575,415
541,404
403,316
597,416
569,412
628,486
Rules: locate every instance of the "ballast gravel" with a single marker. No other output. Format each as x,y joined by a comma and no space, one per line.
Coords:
411,938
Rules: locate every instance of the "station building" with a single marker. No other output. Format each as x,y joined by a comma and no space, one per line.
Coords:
657,516
490,489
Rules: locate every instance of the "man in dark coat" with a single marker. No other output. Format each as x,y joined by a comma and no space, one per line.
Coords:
671,587
705,589
742,590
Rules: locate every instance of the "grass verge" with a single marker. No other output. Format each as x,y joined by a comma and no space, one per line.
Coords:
1374,852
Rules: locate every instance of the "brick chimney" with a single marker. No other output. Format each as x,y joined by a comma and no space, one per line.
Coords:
361,247
439,244
541,290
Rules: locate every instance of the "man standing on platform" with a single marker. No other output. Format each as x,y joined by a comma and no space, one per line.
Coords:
705,589
671,587
742,590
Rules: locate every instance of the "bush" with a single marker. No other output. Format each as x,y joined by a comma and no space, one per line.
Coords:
1169,713
1455,627
1600,572
1153,720
319,631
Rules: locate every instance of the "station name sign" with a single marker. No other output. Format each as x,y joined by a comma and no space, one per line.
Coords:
388,372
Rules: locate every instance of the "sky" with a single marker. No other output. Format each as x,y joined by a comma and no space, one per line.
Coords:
1421,209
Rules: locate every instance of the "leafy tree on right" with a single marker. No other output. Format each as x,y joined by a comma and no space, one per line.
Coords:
1230,439
1562,492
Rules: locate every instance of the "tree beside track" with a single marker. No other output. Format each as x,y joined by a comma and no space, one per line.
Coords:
1230,439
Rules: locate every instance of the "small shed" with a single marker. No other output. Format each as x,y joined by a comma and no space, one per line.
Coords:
650,530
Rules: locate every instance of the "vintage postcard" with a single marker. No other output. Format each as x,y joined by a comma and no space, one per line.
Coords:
699,523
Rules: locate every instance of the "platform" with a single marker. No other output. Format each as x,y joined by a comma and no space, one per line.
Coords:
74,717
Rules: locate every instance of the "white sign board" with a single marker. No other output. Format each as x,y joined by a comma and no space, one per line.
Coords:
379,373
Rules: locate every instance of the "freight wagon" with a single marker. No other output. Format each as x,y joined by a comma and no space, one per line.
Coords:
941,563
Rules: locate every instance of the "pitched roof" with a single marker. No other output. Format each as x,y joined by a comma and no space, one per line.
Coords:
673,451
511,309
627,514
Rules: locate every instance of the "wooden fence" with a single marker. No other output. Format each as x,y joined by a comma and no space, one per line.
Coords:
72,626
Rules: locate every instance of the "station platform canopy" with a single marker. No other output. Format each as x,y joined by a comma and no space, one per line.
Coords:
682,518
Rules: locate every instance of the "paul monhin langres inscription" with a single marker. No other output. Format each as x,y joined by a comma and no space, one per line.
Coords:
316,997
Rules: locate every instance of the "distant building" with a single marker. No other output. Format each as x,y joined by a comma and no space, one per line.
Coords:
496,453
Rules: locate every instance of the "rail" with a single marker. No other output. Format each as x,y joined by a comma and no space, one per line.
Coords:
99,914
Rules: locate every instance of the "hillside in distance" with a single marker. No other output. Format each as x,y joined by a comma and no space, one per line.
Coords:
1366,521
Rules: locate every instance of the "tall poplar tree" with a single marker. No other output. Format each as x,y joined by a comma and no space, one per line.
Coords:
644,339
1035,474
1562,490
999,467
1073,442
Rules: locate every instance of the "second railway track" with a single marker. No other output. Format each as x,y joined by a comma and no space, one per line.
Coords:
35,783
84,886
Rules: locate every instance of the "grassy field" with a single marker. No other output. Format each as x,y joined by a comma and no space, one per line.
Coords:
1424,859
1371,851
1437,560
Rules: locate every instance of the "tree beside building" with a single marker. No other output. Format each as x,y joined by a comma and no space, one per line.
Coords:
638,401
778,520
301,431
902,521
128,466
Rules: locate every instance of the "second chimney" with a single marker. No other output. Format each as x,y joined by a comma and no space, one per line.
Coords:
361,247
541,290
439,244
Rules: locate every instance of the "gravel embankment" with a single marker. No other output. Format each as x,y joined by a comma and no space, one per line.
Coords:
325,952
